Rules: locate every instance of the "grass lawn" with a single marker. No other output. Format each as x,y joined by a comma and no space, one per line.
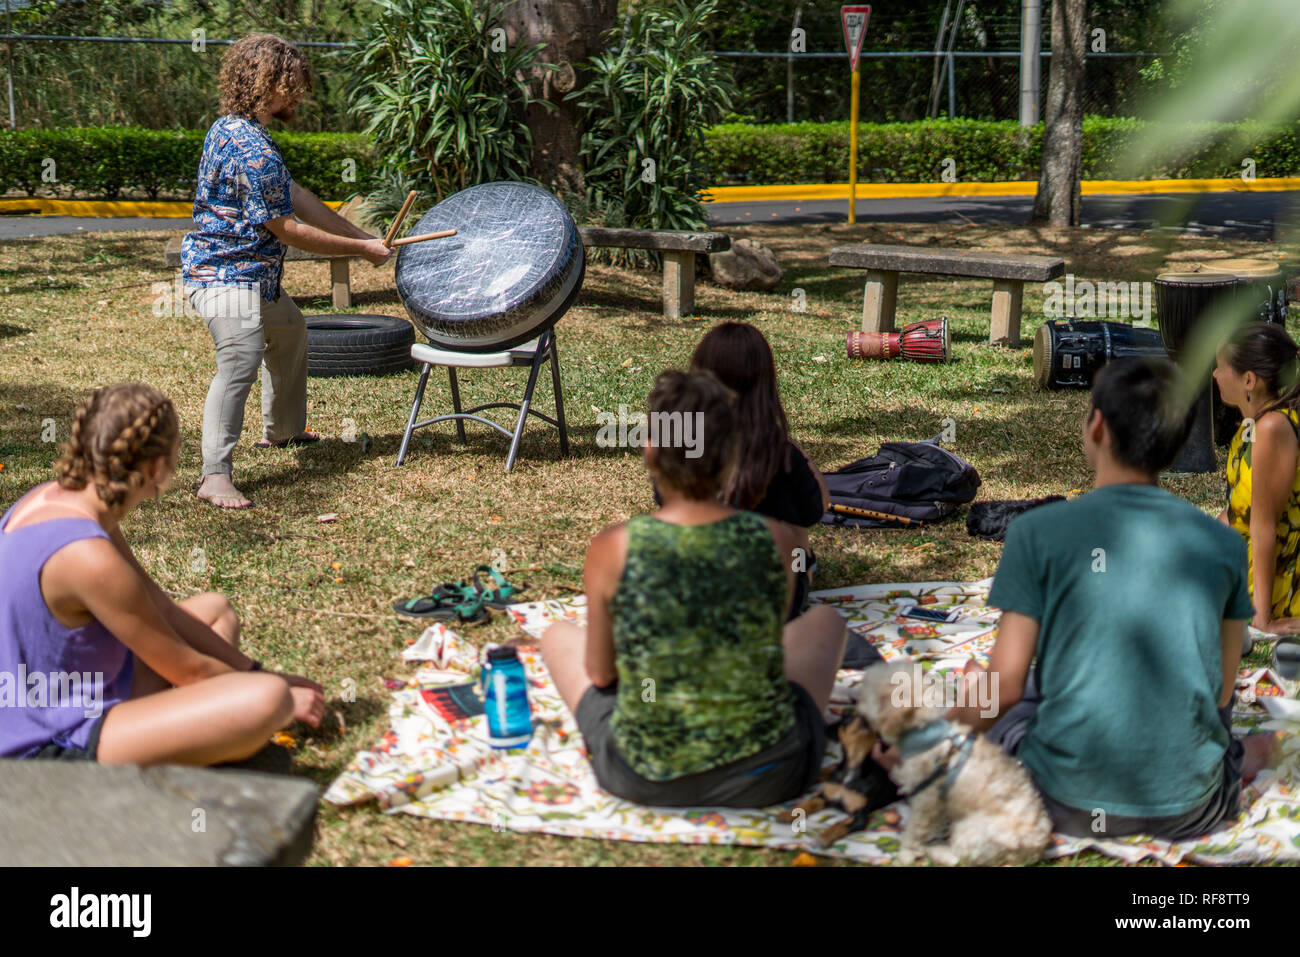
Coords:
315,597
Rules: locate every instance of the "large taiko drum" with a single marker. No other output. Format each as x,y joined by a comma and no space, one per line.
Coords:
1262,295
1247,289
1185,300
513,268
1070,354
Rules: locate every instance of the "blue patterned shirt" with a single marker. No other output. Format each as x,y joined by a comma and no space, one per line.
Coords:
242,183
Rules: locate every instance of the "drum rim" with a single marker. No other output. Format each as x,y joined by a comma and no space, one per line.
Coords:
1195,278
557,264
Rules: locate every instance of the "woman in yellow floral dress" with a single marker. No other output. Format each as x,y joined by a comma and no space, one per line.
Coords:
1258,372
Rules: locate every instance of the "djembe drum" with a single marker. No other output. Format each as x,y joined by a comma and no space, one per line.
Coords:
1261,294
1067,355
513,268
924,341
1184,301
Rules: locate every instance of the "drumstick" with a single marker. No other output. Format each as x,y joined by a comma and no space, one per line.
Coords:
868,513
397,223
441,234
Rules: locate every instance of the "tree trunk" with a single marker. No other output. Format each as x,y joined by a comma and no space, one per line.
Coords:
573,31
1059,201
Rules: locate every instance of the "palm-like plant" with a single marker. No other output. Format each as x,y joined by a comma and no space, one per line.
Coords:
652,100
443,101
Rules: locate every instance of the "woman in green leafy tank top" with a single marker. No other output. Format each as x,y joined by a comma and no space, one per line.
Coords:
686,686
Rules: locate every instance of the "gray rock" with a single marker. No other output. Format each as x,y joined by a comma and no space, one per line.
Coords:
85,814
746,265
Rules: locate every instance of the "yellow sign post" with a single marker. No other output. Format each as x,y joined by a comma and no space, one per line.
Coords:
853,148
854,20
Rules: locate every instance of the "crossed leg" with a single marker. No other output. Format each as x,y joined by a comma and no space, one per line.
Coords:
226,718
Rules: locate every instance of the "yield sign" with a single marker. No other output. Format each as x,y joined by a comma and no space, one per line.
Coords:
854,20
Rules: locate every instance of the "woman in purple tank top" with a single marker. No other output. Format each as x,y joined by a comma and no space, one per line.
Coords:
96,660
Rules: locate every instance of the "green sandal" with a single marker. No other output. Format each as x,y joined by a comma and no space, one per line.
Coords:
449,601
499,597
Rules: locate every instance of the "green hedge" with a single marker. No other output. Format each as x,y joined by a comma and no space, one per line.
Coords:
982,151
109,161
105,162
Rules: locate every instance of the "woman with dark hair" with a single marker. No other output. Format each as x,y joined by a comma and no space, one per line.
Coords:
1258,372
772,477
688,689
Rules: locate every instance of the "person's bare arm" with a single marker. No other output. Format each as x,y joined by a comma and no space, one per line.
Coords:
783,537
316,240
94,575
1272,474
1009,661
1232,636
606,556
192,631
313,212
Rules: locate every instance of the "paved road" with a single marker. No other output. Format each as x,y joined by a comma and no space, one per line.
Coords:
1274,215
27,227
1258,216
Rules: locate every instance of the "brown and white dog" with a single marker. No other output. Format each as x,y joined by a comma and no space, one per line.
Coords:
954,780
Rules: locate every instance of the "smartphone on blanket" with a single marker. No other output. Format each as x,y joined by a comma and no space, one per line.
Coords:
921,612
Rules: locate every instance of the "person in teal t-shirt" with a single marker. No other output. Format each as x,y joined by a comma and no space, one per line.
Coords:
1135,604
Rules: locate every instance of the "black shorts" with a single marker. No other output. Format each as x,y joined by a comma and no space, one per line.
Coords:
1221,807
775,775
58,752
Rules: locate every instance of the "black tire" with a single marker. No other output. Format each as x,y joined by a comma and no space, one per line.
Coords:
352,345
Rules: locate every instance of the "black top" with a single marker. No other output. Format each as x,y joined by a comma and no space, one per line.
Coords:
792,495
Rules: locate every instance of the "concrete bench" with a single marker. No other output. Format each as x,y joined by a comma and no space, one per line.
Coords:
678,247
77,814
340,278
1008,272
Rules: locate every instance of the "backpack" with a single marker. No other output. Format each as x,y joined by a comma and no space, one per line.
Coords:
918,481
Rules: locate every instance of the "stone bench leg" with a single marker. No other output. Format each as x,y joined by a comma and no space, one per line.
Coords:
679,284
879,301
340,284
1005,329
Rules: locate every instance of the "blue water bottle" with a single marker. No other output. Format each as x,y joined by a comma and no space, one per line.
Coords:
505,687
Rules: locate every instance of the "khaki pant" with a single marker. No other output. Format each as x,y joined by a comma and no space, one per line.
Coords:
249,334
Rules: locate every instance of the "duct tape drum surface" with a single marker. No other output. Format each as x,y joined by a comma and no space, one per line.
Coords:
514,266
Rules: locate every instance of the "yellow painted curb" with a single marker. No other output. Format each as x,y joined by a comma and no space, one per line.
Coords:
813,191
85,207
734,194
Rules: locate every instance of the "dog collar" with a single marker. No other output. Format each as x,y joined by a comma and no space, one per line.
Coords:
922,739
916,740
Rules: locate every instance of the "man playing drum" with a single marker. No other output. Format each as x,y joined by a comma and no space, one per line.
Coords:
245,207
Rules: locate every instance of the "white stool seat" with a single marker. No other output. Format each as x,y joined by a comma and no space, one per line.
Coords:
534,354
520,355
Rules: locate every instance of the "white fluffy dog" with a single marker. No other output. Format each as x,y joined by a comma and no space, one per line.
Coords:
955,781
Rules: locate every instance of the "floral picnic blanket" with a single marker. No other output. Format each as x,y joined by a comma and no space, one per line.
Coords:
435,760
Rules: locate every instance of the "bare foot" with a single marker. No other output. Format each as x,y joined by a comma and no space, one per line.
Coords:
217,489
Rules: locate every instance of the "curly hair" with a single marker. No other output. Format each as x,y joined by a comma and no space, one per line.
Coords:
703,397
256,68
116,432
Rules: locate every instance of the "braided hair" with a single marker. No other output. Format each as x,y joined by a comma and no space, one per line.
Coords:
115,434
